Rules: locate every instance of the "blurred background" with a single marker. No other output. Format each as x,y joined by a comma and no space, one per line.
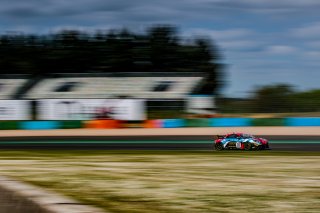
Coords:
106,64
149,60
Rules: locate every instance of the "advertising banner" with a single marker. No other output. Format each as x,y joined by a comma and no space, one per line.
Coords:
201,105
15,109
88,109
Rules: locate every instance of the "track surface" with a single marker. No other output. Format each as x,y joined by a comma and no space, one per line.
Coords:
205,142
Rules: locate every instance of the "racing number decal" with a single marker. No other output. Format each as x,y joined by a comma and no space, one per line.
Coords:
238,145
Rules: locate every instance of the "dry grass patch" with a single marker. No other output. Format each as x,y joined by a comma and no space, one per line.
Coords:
175,181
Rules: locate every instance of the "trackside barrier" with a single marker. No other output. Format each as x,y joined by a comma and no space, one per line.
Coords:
225,122
161,123
315,121
268,122
9,125
102,124
34,125
197,122
70,124
173,123
153,124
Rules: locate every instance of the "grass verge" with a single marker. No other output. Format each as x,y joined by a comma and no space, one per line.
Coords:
175,181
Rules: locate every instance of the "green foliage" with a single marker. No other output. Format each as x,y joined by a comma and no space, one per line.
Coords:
159,49
233,105
306,101
273,99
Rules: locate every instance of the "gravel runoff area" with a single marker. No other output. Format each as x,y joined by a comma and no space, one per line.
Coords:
308,131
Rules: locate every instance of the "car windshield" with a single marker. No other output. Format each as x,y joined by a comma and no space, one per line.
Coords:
232,136
247,136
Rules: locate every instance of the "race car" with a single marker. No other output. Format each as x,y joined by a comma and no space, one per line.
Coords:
240,141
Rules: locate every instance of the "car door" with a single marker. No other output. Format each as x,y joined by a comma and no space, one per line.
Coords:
232,141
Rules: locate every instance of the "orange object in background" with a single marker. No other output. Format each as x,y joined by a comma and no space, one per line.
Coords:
152,124
102,124
148,124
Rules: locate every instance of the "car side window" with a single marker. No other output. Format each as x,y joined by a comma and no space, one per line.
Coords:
232,136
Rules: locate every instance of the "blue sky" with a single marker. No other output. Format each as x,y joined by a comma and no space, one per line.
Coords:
262,41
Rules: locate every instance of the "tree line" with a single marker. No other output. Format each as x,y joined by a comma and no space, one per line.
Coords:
280,98
159,49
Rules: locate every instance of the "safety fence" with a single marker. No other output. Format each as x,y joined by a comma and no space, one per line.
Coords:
160,123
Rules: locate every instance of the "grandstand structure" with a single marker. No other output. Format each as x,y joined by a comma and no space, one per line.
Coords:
150,86
10,84
161,91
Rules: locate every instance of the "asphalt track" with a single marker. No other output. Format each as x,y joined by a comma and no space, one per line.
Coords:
205,142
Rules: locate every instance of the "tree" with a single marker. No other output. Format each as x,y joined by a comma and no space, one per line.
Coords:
275,98
163,43
160,49
308,101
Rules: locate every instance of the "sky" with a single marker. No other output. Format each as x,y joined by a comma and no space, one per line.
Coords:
263,42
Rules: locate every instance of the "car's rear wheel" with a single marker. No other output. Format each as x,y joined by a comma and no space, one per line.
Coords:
218,146
247,146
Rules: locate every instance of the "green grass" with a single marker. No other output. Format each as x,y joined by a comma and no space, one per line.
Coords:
175,181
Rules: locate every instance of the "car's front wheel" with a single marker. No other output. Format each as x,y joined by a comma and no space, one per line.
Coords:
218,146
